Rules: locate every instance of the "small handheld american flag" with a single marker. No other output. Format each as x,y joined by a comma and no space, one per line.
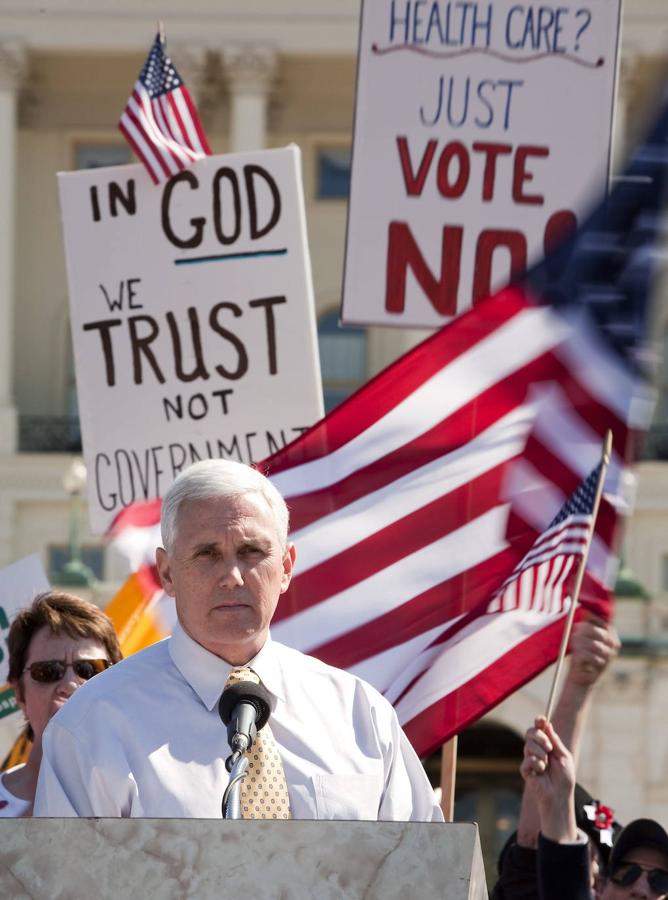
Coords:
160,121
538,581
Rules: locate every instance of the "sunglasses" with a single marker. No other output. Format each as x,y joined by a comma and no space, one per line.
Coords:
48,671
627,874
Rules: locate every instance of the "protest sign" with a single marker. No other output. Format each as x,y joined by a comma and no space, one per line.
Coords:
19,584
482,132
192,316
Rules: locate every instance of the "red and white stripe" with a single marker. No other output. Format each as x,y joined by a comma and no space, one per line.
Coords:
538,581
413,502
165,133
135,534
415,499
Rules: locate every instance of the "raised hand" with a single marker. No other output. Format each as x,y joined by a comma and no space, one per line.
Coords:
594,644
549,773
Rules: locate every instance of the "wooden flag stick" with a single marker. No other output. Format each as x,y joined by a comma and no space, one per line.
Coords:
161,31
605,459
448,776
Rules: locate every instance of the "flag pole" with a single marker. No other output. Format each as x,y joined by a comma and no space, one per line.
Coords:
161,31
448,776
605,460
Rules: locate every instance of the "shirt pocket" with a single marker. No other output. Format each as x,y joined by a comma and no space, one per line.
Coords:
353,796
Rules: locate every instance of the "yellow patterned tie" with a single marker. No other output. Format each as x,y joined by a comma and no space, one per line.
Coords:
264,790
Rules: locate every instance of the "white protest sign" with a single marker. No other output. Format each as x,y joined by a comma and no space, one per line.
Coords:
482,130
19,585
193,319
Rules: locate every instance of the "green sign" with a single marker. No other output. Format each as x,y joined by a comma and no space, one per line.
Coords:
8,704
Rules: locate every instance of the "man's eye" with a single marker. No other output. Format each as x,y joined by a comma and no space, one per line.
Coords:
250,550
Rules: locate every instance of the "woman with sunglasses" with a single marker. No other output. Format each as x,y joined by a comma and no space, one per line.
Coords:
638,864
55,645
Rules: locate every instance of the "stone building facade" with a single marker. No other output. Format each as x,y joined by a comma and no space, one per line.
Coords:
267,73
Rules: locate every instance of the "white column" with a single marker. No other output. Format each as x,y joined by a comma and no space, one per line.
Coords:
250,72
191,64
7,520
12,68
626,84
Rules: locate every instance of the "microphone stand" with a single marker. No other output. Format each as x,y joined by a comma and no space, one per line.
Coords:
244,707
231,806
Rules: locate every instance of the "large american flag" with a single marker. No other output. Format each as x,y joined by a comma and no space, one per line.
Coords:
160,121
413,502
404,498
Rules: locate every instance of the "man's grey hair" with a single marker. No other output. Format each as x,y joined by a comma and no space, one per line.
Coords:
220,478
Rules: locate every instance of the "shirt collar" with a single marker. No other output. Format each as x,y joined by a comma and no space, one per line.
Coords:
207,673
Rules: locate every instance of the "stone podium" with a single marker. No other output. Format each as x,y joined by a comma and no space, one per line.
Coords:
203,859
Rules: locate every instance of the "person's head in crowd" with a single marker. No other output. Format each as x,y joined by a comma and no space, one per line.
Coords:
55,645
225,556
598,822
638,864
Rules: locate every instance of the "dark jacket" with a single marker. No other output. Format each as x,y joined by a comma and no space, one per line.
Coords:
563,871
517,874
553,872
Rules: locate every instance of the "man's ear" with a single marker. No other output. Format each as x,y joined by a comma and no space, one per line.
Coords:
164,571
19,695
288,565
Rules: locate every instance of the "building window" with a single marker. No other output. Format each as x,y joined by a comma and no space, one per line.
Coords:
664,573
71,397
661,413
93,557
94,156
655,445
333,173
488,786
342,359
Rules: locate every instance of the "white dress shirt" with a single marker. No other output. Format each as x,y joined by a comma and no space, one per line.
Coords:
144,738
11,806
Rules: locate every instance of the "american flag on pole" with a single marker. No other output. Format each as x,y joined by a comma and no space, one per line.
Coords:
402,499
160,121
541,579
415,500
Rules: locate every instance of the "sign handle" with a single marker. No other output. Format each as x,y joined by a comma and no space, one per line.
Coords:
448,776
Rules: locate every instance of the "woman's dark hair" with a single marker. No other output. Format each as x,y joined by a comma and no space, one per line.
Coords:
61,613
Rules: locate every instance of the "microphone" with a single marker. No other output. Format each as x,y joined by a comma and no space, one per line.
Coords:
244,707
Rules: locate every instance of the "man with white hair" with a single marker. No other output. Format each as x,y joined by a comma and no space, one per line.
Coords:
145,738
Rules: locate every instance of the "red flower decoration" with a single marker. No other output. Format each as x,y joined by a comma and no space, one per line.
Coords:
603,817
